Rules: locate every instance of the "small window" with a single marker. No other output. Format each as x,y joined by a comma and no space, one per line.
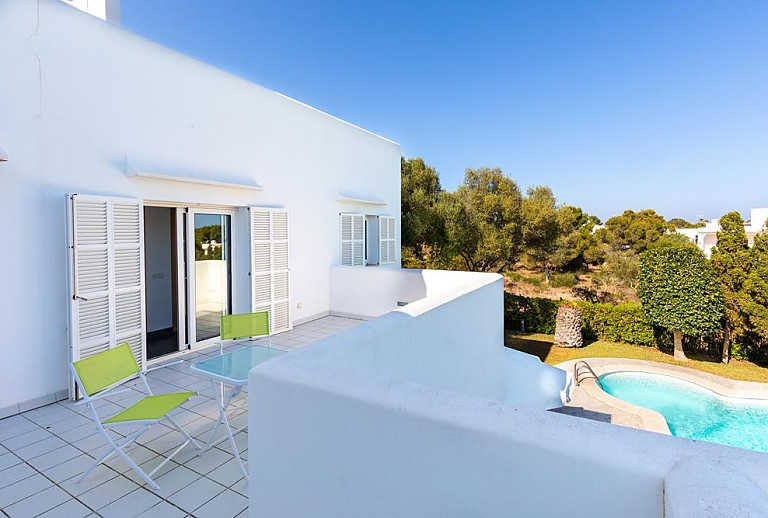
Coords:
367,239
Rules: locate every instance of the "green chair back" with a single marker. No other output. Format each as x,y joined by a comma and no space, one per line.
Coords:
244,325
106,368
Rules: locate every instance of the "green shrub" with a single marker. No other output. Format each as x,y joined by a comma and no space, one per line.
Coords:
563,280
615,323
539,314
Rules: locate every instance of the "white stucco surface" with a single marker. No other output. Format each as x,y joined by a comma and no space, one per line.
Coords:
389,419
79,95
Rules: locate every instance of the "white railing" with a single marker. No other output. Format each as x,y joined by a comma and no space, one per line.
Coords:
421,412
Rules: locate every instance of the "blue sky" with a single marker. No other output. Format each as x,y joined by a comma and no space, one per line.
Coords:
612,104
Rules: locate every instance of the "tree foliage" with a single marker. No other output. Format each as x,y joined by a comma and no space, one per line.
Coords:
756,286
681,223
484,218
634,230
679,291
419,192
731,263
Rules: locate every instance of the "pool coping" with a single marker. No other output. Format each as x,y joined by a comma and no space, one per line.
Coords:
653,421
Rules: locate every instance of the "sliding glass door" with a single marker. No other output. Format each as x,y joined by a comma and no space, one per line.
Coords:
209,274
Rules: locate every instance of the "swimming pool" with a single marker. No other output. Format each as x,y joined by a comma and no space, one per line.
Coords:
693,411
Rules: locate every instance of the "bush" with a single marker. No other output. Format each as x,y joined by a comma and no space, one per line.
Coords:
539,314
563,280
616,323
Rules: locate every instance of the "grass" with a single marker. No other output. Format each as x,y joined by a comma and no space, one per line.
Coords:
541,345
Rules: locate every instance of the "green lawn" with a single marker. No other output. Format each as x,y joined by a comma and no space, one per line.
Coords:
541,345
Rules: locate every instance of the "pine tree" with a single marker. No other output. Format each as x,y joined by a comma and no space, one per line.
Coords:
732,264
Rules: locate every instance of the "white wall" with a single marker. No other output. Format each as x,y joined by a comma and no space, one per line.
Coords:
452,338
78,95
369,291
403,415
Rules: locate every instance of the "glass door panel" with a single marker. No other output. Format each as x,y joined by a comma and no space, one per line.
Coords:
212,273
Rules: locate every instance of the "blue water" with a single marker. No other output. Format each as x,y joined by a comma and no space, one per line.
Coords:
693,411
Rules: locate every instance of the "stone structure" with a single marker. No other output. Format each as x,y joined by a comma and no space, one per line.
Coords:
568,327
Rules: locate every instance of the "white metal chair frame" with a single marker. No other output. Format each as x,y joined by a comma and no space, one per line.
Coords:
226,405
116,446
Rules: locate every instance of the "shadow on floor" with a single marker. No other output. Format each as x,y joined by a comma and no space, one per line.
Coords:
578,411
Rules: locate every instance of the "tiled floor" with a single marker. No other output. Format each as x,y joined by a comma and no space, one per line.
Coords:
43,451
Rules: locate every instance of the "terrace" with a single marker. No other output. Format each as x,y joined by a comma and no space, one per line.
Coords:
420,407
45,450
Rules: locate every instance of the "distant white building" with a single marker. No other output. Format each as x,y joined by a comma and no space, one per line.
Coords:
706,237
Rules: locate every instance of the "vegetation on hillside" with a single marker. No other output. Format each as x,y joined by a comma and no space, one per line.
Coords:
550,250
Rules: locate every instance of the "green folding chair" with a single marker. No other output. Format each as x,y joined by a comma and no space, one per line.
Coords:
244,325
236,327
99,376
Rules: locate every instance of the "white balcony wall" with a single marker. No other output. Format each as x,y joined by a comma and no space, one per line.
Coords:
405,415
79,95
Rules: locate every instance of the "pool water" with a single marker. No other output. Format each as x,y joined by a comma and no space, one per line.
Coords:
693,411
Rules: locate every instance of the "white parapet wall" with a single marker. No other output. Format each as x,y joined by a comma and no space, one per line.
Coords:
412,414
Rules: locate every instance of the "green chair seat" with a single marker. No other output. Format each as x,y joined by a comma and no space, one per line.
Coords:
151,407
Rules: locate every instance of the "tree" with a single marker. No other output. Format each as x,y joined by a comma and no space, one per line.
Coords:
577,244
681,223
419,192
673,239
731,263
680,292
622,267
635,230
541,227
483,222
756,288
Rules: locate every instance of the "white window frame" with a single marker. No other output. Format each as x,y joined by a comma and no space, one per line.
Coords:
385,241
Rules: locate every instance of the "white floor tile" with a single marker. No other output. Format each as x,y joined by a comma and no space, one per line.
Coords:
69,469
38,503
163,510
226,474
95,478
196,494
107,492
15,473
226,505
7,460
22,489
40,448
55,457
69,509
130,505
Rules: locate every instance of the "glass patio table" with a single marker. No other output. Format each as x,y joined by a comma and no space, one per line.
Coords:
231,370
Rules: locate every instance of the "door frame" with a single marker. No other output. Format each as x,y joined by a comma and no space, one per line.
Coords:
191,322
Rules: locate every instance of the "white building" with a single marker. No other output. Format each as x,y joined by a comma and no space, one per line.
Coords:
706,237
147,193
118,152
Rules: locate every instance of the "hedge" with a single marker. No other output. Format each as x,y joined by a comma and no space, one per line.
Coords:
610,322
615,323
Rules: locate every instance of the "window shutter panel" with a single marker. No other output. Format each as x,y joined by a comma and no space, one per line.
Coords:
106,275
352,239
270,266
387,246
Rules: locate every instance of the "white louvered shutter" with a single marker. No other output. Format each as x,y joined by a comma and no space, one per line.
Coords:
352,230
386,239
270,267
106,275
